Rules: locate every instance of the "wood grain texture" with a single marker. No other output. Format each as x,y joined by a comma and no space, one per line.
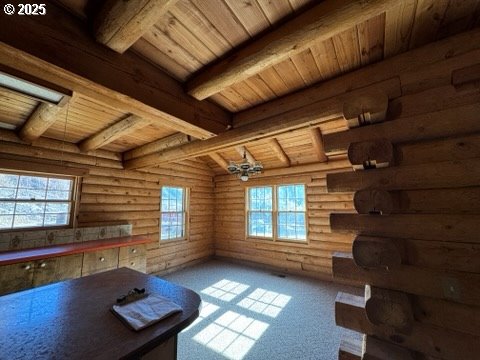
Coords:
452,286
390,308
318,24
124,127
157,145
454,228
71,59
58,269
413,128
374,349
279,152
219,160
428,18
311,259
112,195
398,27
308,116
436,56
350,349
11,257
317,143
446,174
119,24
194,34
39,121
426,339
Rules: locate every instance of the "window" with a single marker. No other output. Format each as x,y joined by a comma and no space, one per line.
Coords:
291,212
173,213
277,212
28,201
260,212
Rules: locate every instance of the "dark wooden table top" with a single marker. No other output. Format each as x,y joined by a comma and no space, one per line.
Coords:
72,319
45,252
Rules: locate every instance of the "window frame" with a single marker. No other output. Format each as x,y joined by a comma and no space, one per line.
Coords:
74,200
275,212
186,214
247,213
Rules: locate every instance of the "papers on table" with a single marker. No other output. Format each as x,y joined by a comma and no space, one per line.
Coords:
145,312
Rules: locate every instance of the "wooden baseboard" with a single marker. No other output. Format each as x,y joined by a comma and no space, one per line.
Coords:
183,266
282,271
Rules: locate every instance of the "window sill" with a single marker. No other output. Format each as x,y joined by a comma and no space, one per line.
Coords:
255,238
291,241
168,241
271,240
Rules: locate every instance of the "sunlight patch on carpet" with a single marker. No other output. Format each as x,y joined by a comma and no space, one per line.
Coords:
232,334
265,302
225,289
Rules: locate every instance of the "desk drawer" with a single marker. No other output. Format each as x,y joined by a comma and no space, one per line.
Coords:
57,269
130,252
138,263
98,261
16,277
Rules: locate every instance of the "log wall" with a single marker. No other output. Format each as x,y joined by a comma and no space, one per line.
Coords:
434,101
111,195
313,258
416,249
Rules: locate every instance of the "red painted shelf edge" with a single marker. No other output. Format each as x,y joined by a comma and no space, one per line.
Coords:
19,256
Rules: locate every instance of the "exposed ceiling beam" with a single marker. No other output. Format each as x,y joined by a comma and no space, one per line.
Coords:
304,117
64,53
120,23
40,120
296,170
157,145
321,102
317,142
243,151
279,152
405,66
319,23
219,160
13,146
121,128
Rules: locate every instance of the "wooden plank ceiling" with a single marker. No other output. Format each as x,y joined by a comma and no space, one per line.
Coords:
193,34
81,118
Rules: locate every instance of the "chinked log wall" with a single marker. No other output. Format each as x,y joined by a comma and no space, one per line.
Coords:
439,90
110,195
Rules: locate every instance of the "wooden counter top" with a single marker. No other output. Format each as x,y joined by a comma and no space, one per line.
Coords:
72,319
17,256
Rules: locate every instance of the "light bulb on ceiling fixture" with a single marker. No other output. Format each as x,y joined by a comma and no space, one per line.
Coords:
244,176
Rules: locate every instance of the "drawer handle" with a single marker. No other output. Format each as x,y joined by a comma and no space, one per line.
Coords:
134,251
132,263
42,265
102,259
26,267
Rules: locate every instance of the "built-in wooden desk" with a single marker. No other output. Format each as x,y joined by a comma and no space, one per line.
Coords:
72,319
46,252
23,269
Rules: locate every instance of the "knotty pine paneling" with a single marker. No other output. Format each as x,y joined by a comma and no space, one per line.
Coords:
111,195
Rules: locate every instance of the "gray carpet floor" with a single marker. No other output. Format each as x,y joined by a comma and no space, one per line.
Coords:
250,313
